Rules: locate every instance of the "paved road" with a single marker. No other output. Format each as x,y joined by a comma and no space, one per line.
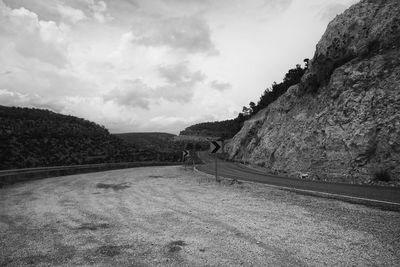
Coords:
239,171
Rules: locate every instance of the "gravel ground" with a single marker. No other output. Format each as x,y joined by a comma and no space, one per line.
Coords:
166,216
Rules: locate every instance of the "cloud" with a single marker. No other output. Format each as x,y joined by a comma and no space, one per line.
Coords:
180,82
124,43
180,73
181,93
131,94
45,9
277,5
179,86
99,11
220,86
68,11
33,38
71,14
190,34
9,98
30,76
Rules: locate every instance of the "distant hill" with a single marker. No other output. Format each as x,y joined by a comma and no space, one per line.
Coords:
32,137
225,129
162,142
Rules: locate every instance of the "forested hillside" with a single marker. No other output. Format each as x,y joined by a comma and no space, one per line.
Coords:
34,137
228,128
162,142
225,129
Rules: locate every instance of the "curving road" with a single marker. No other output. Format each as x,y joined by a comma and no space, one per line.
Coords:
388,197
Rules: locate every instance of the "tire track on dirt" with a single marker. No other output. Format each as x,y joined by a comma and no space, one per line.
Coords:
167,217
283,255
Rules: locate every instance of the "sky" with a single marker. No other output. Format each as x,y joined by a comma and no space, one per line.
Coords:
153,65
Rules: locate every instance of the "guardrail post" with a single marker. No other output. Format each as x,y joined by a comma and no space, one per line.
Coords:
216,167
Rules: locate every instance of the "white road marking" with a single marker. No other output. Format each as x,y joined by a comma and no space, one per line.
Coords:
314,192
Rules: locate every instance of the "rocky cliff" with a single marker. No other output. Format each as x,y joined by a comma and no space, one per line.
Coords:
342,121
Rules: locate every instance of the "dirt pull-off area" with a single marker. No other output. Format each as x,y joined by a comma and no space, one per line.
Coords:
165,216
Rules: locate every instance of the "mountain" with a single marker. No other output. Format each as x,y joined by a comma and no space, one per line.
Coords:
342,121
36,138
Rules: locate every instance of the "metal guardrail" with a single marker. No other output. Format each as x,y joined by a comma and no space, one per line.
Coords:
12,176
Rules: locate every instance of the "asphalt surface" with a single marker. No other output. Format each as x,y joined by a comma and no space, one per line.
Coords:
369,194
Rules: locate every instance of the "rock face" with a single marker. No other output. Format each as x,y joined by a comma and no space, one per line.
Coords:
342,122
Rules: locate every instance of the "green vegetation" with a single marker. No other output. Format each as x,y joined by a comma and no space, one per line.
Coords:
228,128
39,138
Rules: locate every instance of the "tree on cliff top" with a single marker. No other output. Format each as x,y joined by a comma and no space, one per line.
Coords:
292,77
229,128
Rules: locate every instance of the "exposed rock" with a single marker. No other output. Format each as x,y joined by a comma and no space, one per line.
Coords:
365,29
349,126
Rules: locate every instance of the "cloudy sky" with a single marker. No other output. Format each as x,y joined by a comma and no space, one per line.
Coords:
153,65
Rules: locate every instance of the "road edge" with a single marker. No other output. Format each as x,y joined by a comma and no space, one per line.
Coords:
385,205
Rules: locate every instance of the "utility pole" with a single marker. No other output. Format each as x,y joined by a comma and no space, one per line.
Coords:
193,155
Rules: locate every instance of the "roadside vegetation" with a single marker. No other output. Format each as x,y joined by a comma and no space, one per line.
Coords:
382,175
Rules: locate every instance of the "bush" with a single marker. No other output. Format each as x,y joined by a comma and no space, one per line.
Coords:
382,175
261,164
